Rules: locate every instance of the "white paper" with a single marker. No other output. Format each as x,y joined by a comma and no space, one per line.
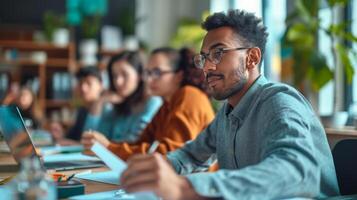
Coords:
117,166
5,191
68,157
111,195
111,177
112,161
60,149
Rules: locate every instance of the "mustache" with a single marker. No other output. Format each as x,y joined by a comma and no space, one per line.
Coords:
210,74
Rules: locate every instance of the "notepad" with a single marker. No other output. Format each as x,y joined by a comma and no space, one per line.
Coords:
111,195
69,157
111,177
111,160
117,166
114,163
60,149
5,191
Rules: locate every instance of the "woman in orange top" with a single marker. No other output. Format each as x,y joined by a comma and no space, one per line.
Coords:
185,113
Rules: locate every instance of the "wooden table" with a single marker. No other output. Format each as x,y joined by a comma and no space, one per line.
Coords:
90,186
335,135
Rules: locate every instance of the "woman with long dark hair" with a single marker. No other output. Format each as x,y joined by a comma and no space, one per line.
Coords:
132,106
185,113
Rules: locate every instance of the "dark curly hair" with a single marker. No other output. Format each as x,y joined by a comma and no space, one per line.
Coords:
88,71
139,95
248,28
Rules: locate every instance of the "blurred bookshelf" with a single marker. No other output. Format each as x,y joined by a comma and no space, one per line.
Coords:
23,60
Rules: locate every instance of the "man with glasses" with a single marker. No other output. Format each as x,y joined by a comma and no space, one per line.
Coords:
268,141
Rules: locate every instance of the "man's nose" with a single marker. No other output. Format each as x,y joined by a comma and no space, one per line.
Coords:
208,66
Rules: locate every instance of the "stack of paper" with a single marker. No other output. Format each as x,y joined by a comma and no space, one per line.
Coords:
68,157
109,195
117,166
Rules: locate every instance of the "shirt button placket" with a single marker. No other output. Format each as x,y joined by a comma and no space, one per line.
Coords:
233,131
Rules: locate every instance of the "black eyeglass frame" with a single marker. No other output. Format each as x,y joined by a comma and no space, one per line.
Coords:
199,62
155,73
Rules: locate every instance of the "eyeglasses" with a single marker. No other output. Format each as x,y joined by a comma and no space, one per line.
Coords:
155,73
214,56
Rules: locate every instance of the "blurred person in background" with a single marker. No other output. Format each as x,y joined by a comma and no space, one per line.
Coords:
194,76
185,113
25,99
132,107
90,88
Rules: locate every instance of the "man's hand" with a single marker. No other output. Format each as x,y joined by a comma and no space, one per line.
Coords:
112,97
106,97
90,137
154,173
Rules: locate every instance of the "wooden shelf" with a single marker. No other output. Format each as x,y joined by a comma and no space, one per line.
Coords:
31,46
109,53
53,62
59,62
59,59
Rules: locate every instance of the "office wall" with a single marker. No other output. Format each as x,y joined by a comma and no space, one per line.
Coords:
160,18
158,22
31,12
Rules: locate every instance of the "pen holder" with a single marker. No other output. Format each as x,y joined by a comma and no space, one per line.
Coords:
70,188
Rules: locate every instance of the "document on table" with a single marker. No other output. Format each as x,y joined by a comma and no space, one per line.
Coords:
111,160
5,191
68,157
116,165
111,177
109,195
60,149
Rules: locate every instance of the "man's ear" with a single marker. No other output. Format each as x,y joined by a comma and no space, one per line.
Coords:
254,57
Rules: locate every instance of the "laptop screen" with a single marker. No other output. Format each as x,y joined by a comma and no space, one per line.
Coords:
15,133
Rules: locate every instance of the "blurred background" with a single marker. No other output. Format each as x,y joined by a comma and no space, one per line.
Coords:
312,44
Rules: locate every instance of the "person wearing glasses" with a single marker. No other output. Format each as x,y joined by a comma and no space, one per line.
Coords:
132,106
268,141
185,113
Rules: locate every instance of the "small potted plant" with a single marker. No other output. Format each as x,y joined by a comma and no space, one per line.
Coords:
55,28
88,46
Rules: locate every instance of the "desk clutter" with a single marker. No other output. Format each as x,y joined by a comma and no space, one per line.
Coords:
69,188
33,182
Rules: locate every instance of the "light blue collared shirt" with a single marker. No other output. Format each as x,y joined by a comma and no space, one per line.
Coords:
269,146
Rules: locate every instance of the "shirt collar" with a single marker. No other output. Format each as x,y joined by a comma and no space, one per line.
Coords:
241,109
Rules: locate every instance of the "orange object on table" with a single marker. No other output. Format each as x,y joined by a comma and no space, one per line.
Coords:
58,177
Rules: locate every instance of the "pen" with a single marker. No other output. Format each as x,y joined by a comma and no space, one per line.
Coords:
153,147
70,177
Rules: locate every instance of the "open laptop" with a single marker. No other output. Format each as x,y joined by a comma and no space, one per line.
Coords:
19,141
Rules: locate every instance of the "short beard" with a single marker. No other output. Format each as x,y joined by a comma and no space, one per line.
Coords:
236,88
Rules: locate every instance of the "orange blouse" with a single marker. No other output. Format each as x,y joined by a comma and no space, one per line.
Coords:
177,121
